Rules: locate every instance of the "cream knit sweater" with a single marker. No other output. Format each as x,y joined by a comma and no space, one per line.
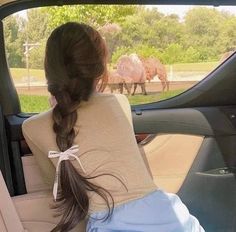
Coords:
106,143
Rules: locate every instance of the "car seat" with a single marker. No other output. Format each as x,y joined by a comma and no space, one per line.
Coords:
29,212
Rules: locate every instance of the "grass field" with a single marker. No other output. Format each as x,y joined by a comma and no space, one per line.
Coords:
33,103
19,75
194,67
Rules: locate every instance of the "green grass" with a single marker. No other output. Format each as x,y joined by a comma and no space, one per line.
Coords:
141,99
18,74
33,104
196,67
170,94
36,104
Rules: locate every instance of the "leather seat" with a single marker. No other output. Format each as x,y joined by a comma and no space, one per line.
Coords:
9,220
29,212
33,178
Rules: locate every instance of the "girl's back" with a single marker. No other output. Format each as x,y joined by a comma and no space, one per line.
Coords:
107,146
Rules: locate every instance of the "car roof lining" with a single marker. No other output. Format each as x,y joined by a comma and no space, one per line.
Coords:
8,7
191,2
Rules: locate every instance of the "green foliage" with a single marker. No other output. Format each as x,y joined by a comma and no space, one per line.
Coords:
36,56
205,27
228,39
168,30
37,31
37,25
142,50
18,31
191,55
204,34
173,54
145,51
13,26
94,15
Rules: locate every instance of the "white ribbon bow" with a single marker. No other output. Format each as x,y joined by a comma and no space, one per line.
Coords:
65,155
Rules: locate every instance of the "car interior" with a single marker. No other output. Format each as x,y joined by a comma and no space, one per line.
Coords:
188,142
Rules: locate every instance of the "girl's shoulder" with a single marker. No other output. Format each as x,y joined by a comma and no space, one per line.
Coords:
110,97
37,121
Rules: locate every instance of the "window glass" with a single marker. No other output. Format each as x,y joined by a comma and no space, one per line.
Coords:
177,46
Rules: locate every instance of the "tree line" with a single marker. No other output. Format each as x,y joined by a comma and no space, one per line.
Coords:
204,34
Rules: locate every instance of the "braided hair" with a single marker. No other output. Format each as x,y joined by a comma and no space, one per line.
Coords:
75,60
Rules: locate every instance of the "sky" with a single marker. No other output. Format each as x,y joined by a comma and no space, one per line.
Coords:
182,10
171,9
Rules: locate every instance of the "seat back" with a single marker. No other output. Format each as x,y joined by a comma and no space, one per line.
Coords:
33,177
4,155
2,224
8,215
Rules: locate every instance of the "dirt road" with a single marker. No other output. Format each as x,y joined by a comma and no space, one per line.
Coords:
152,87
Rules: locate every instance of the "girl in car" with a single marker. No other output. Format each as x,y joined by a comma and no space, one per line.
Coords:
87,139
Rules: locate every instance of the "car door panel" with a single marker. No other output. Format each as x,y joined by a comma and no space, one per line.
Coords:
206,121
170,157
209,187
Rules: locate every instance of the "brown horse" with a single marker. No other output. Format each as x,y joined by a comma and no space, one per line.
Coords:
116,81
132,67
154,67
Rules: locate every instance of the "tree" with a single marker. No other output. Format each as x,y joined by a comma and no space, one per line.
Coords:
13,27
173,54
141,50
229,34
37,25
36,31
204,30
36,55
191,55
203,35
93,15
150,30
168,30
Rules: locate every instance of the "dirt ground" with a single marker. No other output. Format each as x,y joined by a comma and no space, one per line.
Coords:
151,88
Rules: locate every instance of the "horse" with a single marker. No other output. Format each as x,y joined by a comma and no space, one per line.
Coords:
154,67
116,81
132,67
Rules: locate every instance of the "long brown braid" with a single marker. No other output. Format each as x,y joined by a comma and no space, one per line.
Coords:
75,60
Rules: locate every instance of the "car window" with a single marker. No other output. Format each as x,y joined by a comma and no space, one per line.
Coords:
173,47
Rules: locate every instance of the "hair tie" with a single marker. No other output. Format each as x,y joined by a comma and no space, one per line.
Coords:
65,155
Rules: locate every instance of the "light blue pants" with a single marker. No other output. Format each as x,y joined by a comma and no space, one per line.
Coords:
156,212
